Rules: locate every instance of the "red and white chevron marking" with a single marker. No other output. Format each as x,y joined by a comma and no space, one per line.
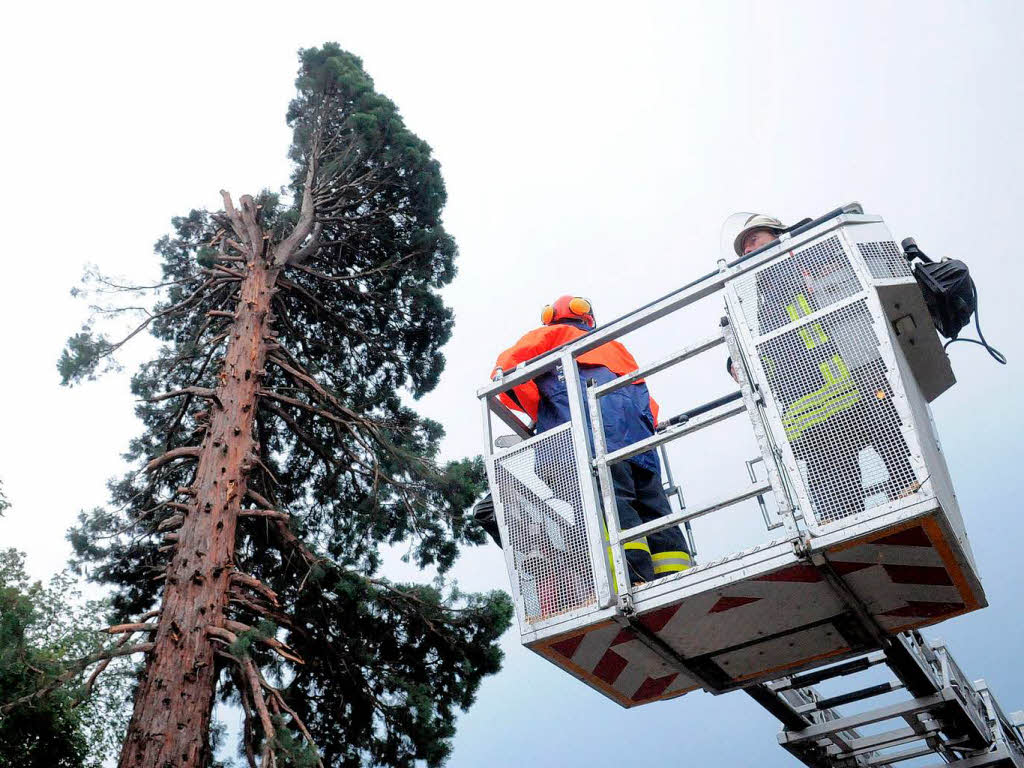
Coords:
614,661
767,624
907,578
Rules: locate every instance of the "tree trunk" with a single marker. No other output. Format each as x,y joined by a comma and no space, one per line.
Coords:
171,720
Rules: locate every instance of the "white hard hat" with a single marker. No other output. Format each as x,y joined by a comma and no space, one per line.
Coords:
756,221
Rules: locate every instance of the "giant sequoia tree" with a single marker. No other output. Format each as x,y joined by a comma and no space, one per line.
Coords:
278,457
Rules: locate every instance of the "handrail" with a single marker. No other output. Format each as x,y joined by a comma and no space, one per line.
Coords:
683,516
667,362
653,310
700,422
685,416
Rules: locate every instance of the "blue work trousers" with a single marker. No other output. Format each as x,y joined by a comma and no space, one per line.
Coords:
641,499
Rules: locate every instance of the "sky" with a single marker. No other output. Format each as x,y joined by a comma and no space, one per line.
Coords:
588,148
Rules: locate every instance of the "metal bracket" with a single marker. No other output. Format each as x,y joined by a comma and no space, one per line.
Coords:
778,707
844,593
802,545
626,606
670,655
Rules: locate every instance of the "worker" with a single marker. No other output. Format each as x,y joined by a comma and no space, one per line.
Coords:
850,408
629,415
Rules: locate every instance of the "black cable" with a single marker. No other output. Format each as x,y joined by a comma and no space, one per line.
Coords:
998,356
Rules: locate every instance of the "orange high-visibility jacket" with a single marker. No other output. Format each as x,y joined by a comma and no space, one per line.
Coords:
612,355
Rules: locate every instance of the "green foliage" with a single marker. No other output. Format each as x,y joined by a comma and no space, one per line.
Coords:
82,356
292,751
410,656
386,194
240,648
43,629
206,256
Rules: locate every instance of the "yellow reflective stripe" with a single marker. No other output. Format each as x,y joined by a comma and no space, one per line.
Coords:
796,425
822,399
830,406
810,340
671,555
836,395
611,560
670,568
671,562
814,399
640,545
842,372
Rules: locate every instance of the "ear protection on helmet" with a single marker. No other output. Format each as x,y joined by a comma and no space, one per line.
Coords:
568,307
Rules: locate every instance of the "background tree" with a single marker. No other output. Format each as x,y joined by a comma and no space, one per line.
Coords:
53,715
279,456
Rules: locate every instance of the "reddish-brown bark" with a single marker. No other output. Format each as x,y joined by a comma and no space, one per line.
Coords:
171,719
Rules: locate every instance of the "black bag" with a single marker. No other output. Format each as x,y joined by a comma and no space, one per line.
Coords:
948,290
949,293
483,512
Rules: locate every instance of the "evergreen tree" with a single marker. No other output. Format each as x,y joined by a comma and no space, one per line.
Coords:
278,457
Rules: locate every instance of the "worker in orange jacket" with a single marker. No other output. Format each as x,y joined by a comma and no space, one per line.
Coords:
629,414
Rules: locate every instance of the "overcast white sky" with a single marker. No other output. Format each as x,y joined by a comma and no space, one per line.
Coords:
591,148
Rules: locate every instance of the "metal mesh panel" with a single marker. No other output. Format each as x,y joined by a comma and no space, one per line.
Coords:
829,383
806,281
884,260
538,493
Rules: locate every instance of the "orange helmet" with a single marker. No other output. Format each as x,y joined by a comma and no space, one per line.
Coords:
568,308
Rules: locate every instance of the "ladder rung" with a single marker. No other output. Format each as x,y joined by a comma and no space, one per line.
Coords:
867,718
859,695
885,740
899,757
839,670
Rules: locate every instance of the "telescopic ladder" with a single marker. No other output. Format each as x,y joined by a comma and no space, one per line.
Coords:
924,707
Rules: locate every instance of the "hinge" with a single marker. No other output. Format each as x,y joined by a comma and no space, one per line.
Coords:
626,605
802,546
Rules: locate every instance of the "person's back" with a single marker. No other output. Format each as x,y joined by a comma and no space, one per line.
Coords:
629,415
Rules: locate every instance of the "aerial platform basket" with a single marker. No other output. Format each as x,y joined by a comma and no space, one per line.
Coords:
838,359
